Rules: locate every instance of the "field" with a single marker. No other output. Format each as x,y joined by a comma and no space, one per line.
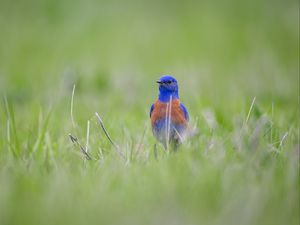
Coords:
237,64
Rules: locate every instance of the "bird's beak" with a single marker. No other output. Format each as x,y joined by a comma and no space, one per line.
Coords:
159,82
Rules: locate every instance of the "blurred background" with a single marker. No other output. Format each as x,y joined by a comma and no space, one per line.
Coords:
219,50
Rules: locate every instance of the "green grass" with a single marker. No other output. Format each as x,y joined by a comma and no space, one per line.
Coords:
224,55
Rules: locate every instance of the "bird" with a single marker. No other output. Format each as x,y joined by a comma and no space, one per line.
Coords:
169,117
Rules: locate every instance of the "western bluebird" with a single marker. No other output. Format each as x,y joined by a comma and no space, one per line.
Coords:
169,117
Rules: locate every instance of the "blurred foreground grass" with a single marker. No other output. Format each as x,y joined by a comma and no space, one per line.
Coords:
224,54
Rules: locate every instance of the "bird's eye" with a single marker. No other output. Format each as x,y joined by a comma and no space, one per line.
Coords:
169,81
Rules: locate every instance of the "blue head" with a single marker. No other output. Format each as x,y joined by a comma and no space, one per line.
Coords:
167,87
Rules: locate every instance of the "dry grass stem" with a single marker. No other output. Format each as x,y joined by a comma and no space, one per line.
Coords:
117,148
83,150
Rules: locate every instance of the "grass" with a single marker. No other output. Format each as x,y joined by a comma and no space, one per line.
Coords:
237,67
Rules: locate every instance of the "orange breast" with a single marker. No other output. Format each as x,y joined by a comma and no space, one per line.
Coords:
161,111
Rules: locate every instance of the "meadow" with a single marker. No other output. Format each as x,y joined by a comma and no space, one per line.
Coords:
237,64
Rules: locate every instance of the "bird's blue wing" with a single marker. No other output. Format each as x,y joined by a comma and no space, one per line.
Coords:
151,109
186,114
